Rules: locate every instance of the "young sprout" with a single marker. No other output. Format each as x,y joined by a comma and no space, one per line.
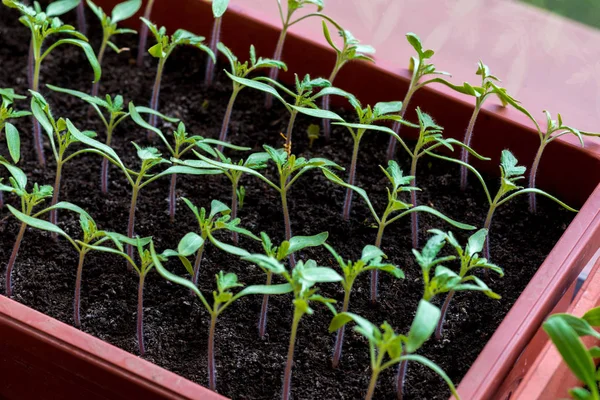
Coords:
116,114
218,9
44,25
150,158
120,12
92,240
145,265
289,169
280,253
218,219
351,50
565,331
367,117
240,70
302,279
223,297
399,184
445,280
489,87
304,99
183,144
13,139
370,260
430,138
420,69
287,22
60,139
510,173
554,130
163,48
144,34
387,348
254,161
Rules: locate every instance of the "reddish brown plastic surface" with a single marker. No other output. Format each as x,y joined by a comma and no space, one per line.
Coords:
549,377
566,170
42,358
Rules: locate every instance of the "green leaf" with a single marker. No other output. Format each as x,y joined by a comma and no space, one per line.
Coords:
371,252
219,7
423,325
438,214
415,42
137,118
65,205
125,10
476,242
61,7
265,289
317,113
592,317
265,262
256,85
571,349
189,244
18,175
83,96
321,274
368,329
361,192
35,222
13,141
93,143
383,108
509,165
298,243
170,276
87,49
218,207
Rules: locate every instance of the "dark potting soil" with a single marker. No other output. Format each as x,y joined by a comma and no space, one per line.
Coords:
176,325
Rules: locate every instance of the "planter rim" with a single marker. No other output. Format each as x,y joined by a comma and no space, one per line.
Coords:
548,373
96,351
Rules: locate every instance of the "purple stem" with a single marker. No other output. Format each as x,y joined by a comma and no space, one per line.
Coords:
288,225
325,105
212,370
96,85
414,217
391,150
351,179
140,315
532,177
55,193
440,326
227,119
131,224
1,199
37,128
30,65
375,273
339,339
197,263
274,72
400,378
13,258
172,197
144,35
264,309
464,155
153,119
486,225
287,378
105,163
234,210
81,22
214,39
77,302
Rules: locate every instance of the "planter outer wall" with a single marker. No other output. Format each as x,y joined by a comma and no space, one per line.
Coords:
497,129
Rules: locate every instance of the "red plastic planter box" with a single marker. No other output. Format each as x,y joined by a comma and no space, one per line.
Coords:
43,357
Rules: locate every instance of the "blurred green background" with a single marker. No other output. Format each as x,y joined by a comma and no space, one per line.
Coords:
586,11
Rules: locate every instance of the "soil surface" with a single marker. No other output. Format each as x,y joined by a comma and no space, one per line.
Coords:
176,325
